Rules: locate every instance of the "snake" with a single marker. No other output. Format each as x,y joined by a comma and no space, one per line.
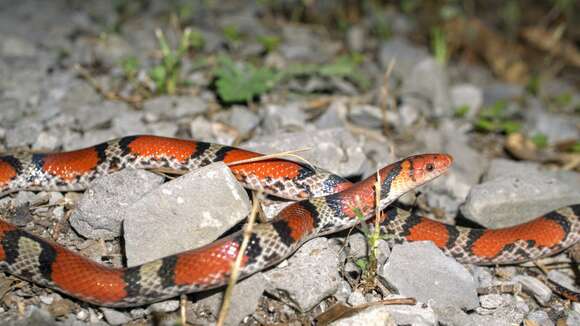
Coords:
324,203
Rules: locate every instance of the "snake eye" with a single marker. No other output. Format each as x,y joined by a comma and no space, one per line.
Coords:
430,167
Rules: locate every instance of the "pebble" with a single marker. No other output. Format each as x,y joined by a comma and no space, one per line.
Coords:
115,317
309,276
372,316
422,271
23,134
178,216
537,288
405,55
428,78
103,206
171,107
245,299
356,298
280,118
467,95
418,314
538,318
164,306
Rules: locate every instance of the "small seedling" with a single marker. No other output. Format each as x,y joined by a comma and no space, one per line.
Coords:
269,42
242,82
439,45
540,140
167,74
495,119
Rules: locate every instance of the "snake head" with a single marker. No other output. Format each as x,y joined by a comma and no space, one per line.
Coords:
411,172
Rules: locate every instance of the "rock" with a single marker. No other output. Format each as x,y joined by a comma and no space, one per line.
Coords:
535,287
128,123
175,106
115,317
372,316
573,318
204,130
195,208
33,316
103,207
335,150
418,314
539,318
356,298
334,116
501,91
556,127
308,277
356,38
164,306
25,133
245,299
428,78
370,116
563,280
422,271
284,118
243,119
455,316
504,307
514,193
467,95
165,129
98,115
46,141
112,49
13,46
405,55
344,291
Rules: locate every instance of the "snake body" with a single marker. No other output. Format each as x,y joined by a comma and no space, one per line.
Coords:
328,203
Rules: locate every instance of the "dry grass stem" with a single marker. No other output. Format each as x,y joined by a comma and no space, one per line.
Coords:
236,266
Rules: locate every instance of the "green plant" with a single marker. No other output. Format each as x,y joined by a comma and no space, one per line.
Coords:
439,45
344,67
540,140
461,111
269,42
130,66
243,81
167,74
232,34
495,119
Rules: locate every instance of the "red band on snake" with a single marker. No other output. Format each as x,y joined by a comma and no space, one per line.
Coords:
327,205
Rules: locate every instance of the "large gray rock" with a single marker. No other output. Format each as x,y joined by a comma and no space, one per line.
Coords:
556,127
513,193
244,301
422,271
103,206
308,277
467,95
456,317
183,214
372,316
335,150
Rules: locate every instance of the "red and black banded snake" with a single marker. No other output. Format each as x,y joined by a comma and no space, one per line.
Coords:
326,204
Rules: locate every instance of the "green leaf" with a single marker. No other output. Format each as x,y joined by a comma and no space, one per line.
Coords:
461,111
484,124
241,82
361,263
510,126
540,140
130,66
269,42
159,75
439,45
